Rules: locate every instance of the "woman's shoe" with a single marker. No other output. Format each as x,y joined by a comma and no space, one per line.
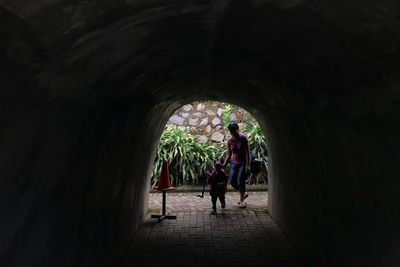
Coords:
246,196
214,211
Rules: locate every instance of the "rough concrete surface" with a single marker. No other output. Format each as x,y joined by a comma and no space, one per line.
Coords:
88,86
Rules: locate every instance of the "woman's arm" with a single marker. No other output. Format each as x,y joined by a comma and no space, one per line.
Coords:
228,158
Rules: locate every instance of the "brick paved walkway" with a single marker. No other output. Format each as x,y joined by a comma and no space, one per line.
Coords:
233,237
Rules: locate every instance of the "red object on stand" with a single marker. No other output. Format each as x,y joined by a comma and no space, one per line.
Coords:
164,185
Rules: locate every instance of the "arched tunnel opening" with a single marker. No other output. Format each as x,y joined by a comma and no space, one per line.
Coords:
197,233
196,135
87,87
198,236
160,118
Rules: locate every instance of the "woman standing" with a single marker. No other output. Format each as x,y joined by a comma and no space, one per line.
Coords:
239,158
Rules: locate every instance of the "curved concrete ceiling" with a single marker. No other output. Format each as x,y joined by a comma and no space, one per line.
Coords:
125,45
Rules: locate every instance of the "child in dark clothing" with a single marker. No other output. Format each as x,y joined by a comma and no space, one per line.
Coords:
218,181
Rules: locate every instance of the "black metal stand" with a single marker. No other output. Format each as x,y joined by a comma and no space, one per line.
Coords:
204,186
163,215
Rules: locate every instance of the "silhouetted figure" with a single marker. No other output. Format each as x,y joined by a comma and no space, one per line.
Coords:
218,181
239,157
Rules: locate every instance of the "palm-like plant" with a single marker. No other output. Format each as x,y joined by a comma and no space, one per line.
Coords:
227,113
257,144
188,159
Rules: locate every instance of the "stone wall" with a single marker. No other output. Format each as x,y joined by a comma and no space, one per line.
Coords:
205,119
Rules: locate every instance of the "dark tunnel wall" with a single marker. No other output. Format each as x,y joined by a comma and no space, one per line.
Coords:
87,88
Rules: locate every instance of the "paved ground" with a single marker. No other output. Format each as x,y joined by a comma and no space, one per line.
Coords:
233,237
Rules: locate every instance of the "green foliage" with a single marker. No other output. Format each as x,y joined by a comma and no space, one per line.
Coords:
257,144
227,114
188,159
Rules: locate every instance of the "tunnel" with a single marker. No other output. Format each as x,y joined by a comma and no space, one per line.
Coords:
88,86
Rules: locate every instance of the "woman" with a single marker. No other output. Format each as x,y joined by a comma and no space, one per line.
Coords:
239,158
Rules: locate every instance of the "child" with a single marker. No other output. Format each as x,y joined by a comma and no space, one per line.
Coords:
218,181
